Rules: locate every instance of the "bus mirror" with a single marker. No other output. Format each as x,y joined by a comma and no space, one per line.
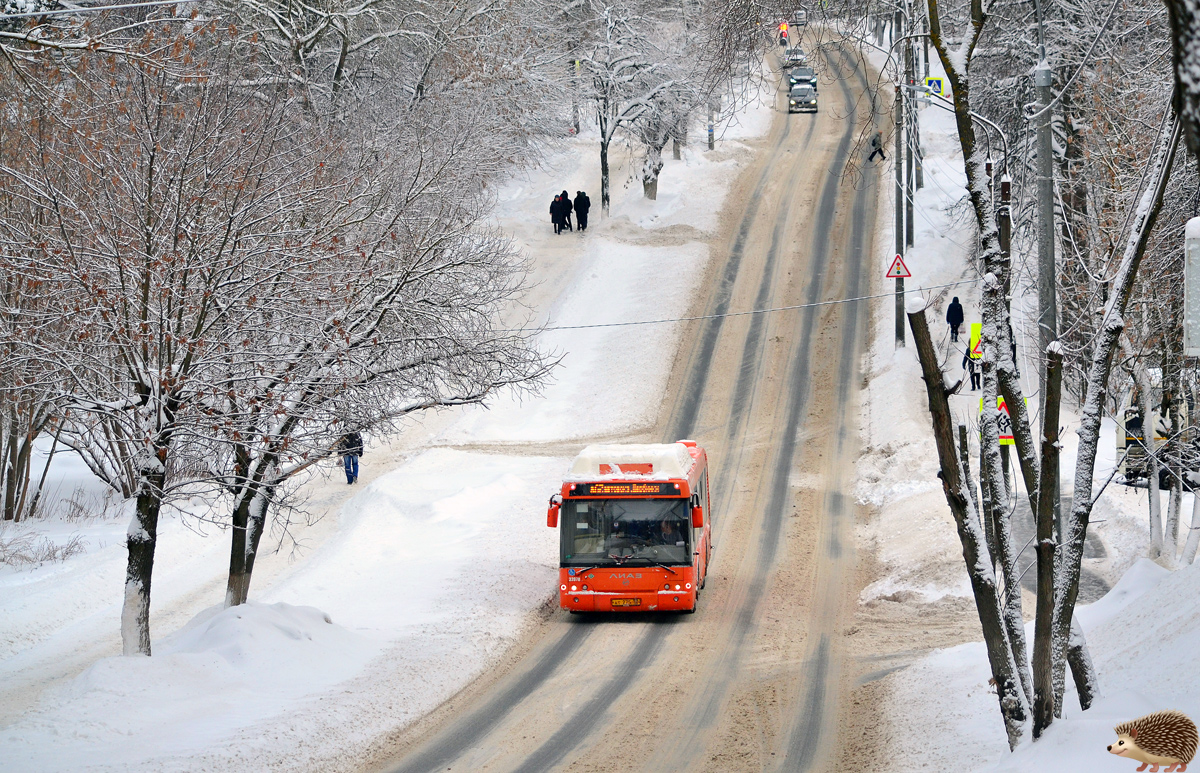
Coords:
552,515
697,517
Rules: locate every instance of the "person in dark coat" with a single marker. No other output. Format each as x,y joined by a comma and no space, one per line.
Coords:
954,318
556,213
972,367
876,147
582,205
566,210
351,448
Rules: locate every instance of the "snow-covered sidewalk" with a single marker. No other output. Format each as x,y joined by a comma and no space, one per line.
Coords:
938,711
407,588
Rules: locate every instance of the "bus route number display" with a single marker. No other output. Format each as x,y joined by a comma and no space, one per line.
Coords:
623,489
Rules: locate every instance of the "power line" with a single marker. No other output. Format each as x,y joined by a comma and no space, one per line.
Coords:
731,313
90,9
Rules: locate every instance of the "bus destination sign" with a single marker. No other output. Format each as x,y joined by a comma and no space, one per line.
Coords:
624,489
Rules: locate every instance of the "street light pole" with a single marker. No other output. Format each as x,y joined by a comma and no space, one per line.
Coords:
897,160
908,146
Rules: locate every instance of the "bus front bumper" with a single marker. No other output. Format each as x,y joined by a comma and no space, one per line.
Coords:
642,601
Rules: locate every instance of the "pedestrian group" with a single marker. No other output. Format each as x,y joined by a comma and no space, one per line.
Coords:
954,318
562,207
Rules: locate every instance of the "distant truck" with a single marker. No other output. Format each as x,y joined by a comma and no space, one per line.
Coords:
800,17
635,528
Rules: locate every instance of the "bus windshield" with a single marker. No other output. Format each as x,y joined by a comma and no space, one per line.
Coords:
612,532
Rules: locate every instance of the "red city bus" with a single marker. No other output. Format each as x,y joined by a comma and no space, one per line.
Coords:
636,530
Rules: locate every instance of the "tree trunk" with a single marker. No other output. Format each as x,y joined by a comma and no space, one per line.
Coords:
970,533
1150,204
141,541
650,170
1043,671
604,178
1006,553
1083,671
1193,537
235,590
256,526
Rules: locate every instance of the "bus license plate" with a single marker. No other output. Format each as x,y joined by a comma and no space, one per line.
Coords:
626,602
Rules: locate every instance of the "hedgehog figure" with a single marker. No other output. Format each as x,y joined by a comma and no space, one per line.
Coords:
1162,738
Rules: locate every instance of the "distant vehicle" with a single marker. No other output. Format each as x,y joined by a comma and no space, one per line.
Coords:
802,75
794,57
636,529
802,98
800,17
1133,464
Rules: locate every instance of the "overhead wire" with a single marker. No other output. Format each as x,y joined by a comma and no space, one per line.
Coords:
702,317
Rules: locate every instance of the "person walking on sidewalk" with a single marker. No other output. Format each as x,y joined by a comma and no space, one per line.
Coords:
556,214
351,448
566,210
876,146
954,318
582,205
972,367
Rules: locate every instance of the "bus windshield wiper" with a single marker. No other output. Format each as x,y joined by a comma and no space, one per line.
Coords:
656,563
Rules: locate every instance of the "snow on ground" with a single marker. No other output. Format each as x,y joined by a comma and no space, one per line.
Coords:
1144,635
409,585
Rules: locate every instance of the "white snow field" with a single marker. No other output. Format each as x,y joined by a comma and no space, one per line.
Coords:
1144,635
412,583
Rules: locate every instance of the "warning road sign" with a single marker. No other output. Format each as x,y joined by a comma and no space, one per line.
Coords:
898,269
1004,422
976,340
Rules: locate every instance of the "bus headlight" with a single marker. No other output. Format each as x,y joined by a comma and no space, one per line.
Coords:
562,587
676,586
573,589
687,585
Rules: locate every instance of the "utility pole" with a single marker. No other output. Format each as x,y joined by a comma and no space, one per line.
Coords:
1043,77
898,26
908,146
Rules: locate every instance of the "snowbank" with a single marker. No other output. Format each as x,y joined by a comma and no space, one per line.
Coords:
221,671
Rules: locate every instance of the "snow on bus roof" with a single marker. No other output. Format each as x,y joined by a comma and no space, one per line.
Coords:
662,461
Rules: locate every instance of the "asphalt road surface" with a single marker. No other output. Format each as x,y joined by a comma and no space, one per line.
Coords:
754,680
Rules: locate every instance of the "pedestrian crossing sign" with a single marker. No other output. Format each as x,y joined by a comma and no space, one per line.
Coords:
976,340
898,269
1004,421
936,86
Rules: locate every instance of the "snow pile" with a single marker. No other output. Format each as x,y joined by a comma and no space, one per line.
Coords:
223,670
1145,639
